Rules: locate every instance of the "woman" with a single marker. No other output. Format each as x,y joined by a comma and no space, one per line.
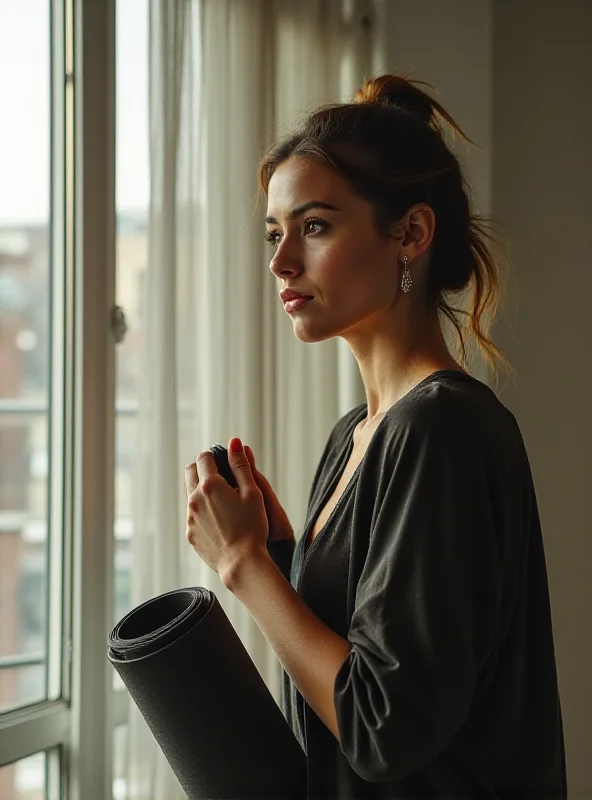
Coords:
412,618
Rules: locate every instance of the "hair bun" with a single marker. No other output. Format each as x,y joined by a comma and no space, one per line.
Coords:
398,91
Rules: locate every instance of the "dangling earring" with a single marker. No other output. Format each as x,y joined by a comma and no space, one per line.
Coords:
406,281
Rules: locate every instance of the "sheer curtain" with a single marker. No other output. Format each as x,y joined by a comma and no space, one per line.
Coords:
220,358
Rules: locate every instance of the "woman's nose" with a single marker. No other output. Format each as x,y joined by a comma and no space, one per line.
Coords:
285,262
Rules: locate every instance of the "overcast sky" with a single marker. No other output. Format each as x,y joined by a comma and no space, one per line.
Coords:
24,107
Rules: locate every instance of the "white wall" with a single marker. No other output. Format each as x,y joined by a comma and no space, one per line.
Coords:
448,44
543,191
517,76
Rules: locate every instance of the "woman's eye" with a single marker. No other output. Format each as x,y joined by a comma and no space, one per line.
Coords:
318,223
310,226
273,238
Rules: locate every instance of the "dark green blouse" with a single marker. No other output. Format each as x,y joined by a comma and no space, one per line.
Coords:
432,566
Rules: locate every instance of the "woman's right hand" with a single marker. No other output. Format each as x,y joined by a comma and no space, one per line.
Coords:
279,524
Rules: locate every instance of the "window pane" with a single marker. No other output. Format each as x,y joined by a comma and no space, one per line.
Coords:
23,559
25,358
132,198
120,790
25,779
24,199
21,686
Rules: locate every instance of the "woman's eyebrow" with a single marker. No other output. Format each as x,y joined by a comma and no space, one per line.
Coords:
296,212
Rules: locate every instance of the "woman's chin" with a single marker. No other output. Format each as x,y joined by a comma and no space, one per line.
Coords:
308,333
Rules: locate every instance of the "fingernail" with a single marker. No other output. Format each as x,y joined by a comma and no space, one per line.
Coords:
236,446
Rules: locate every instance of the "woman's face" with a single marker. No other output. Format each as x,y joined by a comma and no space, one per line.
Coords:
326,245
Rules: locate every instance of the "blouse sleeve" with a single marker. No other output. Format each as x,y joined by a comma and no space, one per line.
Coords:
427,601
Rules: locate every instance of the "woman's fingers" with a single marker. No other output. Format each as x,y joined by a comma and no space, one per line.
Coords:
260,479
250,455
279,524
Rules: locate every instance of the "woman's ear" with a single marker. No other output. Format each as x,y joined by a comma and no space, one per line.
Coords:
397,229
419,226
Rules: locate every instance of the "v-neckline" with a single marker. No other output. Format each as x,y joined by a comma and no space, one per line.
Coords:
332,485
307,549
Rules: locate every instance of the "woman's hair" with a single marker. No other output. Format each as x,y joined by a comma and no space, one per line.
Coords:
388,143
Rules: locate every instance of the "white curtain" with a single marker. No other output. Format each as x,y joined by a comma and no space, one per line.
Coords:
220,358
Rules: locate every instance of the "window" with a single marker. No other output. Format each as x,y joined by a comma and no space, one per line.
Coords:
25,352
120,760
32,778
132,197
57,276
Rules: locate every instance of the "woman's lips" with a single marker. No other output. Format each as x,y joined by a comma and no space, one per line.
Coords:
294,305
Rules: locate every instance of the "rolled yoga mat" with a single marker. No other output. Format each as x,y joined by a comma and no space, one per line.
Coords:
204,700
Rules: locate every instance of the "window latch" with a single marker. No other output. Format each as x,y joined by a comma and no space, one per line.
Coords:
118,324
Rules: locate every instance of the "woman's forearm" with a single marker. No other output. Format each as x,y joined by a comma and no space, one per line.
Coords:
310,652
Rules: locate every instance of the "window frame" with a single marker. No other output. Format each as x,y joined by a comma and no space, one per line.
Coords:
82,416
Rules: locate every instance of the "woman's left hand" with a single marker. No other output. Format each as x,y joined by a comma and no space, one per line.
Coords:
224,525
